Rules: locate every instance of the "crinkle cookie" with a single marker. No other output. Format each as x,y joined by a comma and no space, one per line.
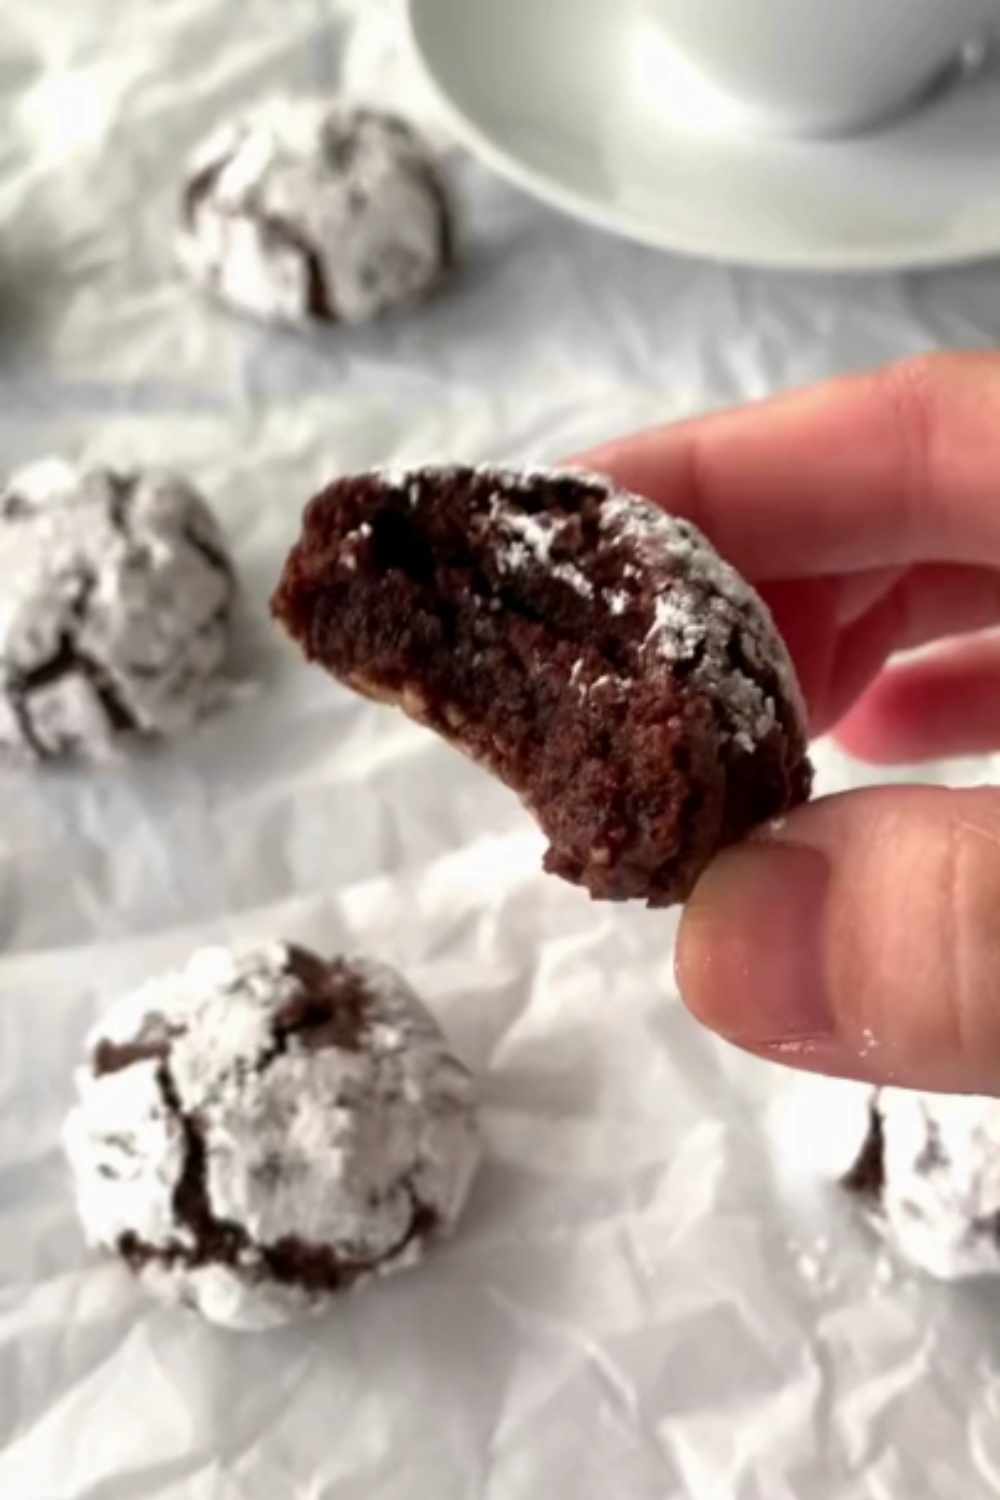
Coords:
594,653
928,1168
117,598
257,1132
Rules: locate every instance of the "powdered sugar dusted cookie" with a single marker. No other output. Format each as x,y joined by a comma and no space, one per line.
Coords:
315,210
928,1167
256,1132
116,606
596,654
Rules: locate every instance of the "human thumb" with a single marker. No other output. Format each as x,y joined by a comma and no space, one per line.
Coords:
861,938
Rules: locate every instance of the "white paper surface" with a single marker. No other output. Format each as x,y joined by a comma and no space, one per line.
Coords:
642,1303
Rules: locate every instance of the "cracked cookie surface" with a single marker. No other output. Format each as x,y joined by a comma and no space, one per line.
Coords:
117,599
259,1131
927,1169
594,653
310,210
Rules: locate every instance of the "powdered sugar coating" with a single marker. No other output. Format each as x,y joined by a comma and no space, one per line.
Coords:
931,1167
941,1198
702,605
116,604
127,1145
309,209
531,539
353,1148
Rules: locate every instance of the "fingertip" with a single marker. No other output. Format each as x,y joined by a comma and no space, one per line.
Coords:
749,955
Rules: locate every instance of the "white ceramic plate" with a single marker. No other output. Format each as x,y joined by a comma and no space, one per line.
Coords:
579,102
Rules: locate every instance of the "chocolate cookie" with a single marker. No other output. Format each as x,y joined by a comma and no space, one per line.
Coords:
929,1171
594,653
312,210
256,1133
116,608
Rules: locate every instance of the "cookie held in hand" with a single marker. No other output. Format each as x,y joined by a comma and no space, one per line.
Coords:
594,653
257,1132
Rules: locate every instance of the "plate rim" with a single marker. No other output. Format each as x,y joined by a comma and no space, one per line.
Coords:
904,257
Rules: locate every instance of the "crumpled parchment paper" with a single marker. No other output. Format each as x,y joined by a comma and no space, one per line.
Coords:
645,1301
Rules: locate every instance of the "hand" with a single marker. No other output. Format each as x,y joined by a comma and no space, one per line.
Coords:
862,938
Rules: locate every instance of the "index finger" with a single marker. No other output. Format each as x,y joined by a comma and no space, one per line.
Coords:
879,470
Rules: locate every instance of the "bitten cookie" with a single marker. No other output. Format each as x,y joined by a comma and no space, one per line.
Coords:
596,654
256,1133
311,210
928,1168
117,598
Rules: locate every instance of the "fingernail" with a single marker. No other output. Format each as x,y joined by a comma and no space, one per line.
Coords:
750,958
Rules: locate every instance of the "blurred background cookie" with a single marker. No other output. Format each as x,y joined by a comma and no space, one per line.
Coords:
596,654
928,1168
309,210
256,1132
117,598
